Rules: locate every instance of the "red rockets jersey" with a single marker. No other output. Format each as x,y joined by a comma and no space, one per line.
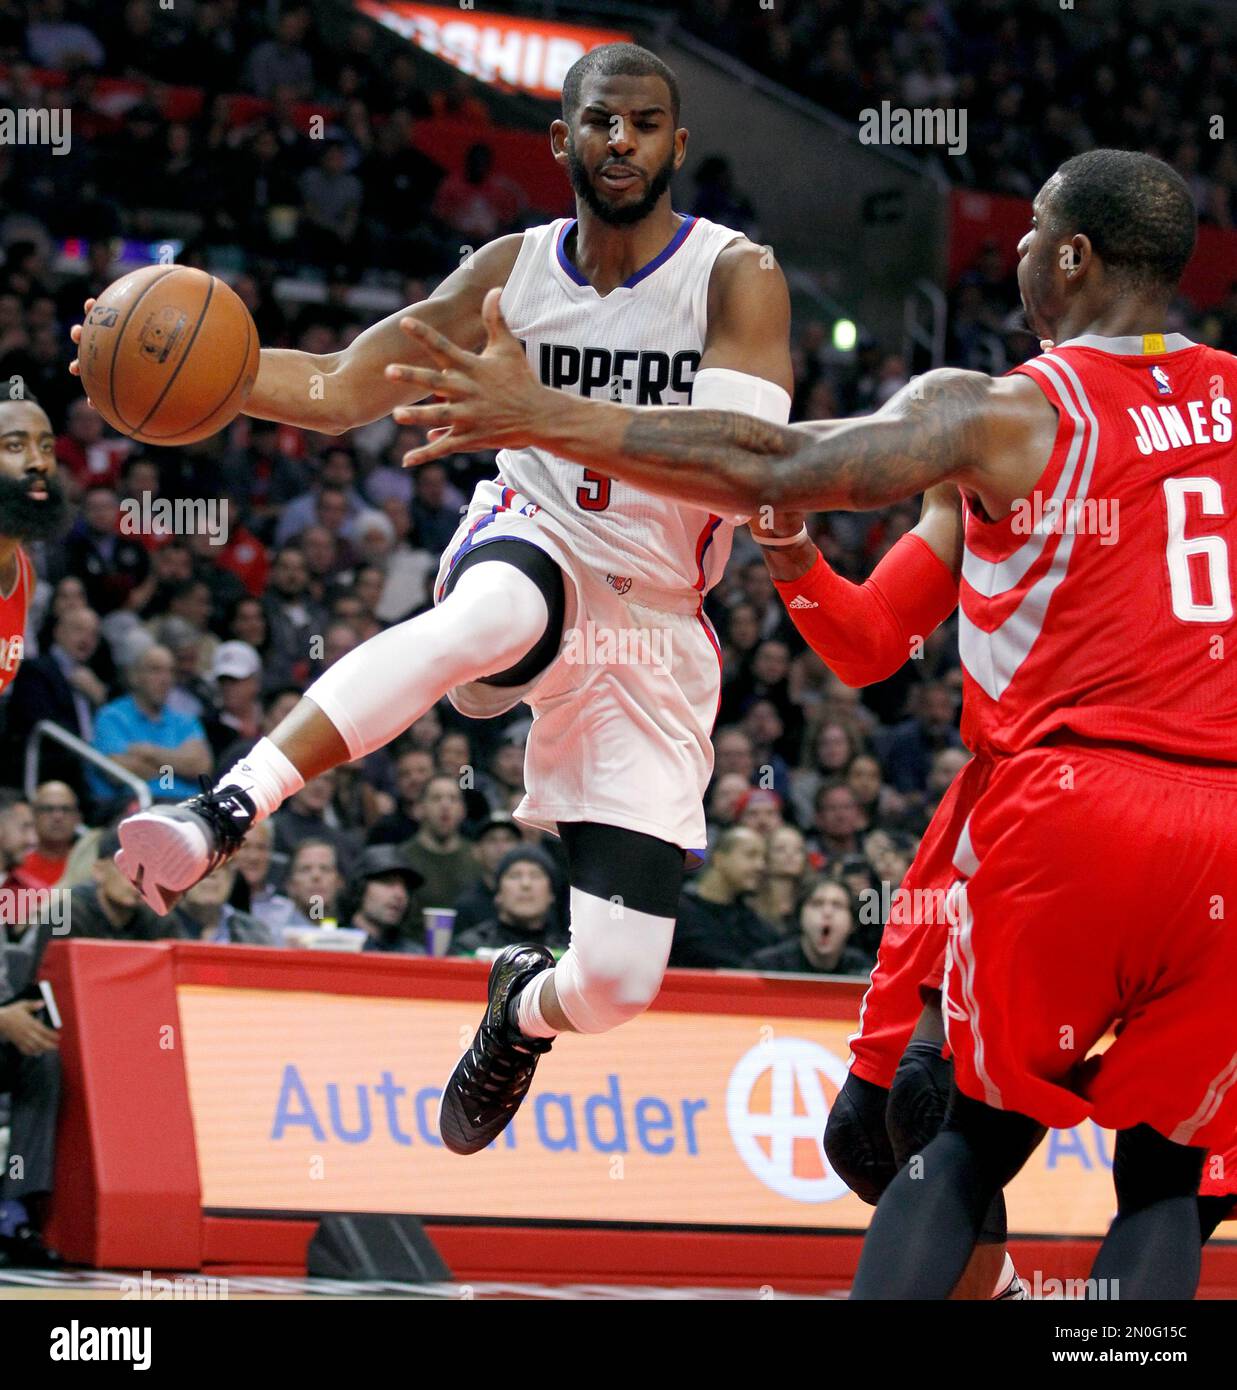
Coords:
13,619
1103,604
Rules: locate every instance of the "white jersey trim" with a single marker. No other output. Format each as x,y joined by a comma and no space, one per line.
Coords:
994,658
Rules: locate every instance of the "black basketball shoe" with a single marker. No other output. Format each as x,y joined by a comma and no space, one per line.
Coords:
493,1076
165,850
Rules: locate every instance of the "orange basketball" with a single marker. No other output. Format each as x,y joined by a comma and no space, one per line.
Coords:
168,354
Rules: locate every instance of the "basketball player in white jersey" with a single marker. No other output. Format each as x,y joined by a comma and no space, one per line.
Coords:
581,597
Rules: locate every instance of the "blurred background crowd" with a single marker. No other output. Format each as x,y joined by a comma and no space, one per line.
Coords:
170,650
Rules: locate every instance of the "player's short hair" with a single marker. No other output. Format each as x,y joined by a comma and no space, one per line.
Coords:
1135,209
616,60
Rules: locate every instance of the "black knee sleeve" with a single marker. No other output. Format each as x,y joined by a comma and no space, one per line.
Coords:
1148,1168
918,1099
608,861
856,1141
1002,1140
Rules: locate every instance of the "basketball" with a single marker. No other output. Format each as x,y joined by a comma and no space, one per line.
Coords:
168,354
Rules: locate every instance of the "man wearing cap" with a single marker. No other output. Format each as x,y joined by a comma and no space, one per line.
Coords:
494,837
528,887
237,676
376,900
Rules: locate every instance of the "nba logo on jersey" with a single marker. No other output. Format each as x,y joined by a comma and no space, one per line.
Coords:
1162,383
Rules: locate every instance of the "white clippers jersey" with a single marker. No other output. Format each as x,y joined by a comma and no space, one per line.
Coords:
641,345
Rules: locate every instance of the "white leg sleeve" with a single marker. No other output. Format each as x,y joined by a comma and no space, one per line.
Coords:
614,966
492,617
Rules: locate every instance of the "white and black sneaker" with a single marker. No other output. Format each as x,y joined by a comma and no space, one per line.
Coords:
166,850
493,1076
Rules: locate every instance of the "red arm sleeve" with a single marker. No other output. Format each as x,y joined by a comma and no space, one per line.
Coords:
863,632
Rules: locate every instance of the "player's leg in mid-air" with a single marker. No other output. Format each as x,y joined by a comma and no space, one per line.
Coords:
624,898
500,624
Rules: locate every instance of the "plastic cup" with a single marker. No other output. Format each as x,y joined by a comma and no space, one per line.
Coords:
439,928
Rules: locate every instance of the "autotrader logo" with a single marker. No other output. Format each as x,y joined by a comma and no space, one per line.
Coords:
777,1104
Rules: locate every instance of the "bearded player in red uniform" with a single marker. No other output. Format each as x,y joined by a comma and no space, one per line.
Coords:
1097,603
31,509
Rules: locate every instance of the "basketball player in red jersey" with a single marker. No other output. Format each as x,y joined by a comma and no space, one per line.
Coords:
1097,602
31,508
894,1099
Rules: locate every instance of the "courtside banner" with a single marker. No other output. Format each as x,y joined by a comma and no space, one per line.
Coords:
312,1102
530,54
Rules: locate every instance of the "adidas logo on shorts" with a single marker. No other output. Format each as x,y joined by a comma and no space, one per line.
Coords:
800,602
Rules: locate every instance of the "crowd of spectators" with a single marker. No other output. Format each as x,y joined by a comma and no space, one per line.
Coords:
172,649
1038,82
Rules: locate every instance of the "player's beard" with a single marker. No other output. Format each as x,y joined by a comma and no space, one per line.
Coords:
26,519
629,214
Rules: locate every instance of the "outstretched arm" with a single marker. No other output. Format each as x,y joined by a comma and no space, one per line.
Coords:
939,428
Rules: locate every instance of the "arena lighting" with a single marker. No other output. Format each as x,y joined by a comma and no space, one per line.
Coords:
845,335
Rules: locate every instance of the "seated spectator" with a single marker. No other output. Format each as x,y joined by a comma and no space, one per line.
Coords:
833,750
292,617
759,810
30,1076
728,794
878,804
205,914
110,906
716,926
18,838
59,685
786,858
56,815
435,515
281,61
237,675
331,200
376,900
528,888
190,695
906,750
838,821
143,735
413,769
732,753
494,838
309,813
256,873
114,568
438,851
826,914
312,889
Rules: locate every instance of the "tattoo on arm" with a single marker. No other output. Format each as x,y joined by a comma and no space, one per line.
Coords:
928,433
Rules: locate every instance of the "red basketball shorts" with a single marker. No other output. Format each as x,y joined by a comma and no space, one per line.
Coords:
1101,896
911,957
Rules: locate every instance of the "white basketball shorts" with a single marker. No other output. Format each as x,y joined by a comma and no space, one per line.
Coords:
622,717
